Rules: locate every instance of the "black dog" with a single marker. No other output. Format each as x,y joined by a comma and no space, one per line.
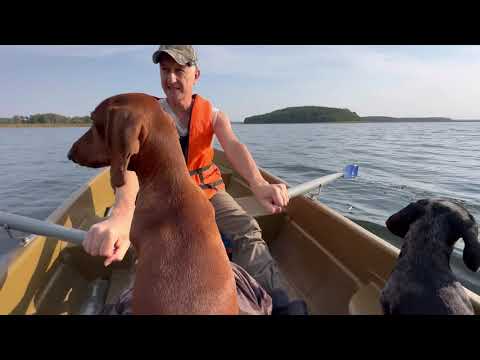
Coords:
422,281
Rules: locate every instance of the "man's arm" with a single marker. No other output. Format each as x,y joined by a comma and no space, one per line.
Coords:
272,196
111,238
126,195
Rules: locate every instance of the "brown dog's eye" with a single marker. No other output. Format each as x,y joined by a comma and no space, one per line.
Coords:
98,126
101,130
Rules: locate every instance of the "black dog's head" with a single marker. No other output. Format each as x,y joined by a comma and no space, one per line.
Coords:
453,219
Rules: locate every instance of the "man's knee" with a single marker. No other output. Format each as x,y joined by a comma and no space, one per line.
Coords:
252,227
240,226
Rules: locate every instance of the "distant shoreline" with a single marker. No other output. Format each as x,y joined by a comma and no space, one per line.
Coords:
242,123
42,125
358,122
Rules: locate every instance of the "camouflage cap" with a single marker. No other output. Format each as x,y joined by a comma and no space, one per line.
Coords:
182,54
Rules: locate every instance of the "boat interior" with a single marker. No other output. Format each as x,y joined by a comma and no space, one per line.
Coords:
330,262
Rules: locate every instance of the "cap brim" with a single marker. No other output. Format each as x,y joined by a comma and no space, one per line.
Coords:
180,59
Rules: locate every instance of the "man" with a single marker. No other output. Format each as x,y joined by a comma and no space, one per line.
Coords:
197,121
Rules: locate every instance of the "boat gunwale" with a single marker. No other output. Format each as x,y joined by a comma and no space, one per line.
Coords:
12,255
373,238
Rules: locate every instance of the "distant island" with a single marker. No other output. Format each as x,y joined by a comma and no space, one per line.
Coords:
304,114
45,120
319,114
290,115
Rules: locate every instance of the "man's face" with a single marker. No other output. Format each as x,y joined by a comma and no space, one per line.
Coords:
177,80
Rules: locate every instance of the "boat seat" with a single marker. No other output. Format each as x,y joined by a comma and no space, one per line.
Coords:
366,301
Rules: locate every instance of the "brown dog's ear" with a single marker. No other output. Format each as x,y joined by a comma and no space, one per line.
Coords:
471,251
399,223
122,132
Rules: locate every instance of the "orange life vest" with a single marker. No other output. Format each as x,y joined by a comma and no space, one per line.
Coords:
199,154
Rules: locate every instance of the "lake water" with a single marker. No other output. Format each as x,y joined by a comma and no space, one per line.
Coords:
399,163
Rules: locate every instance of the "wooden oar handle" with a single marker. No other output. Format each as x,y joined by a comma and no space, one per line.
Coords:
34,226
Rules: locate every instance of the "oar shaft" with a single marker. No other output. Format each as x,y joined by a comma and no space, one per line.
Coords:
350,171
313,184
22,223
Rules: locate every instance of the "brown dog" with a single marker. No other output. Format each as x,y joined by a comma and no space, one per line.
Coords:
182,265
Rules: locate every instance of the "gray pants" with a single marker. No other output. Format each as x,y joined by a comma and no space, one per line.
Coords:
249,250
252,298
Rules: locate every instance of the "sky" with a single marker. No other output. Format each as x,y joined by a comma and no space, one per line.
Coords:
241,80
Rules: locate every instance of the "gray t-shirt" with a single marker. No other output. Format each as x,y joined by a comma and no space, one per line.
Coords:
182,130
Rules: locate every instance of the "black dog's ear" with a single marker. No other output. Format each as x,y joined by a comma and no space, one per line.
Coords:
471,251
399,223
464,226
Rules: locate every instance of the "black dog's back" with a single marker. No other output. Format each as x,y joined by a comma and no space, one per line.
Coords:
419,291
415,304
422,281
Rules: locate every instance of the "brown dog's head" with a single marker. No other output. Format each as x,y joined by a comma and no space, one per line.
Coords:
451,219
117,132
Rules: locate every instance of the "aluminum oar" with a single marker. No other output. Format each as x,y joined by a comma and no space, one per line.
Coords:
45,228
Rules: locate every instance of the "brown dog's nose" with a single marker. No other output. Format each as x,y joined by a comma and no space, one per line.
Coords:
70,154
